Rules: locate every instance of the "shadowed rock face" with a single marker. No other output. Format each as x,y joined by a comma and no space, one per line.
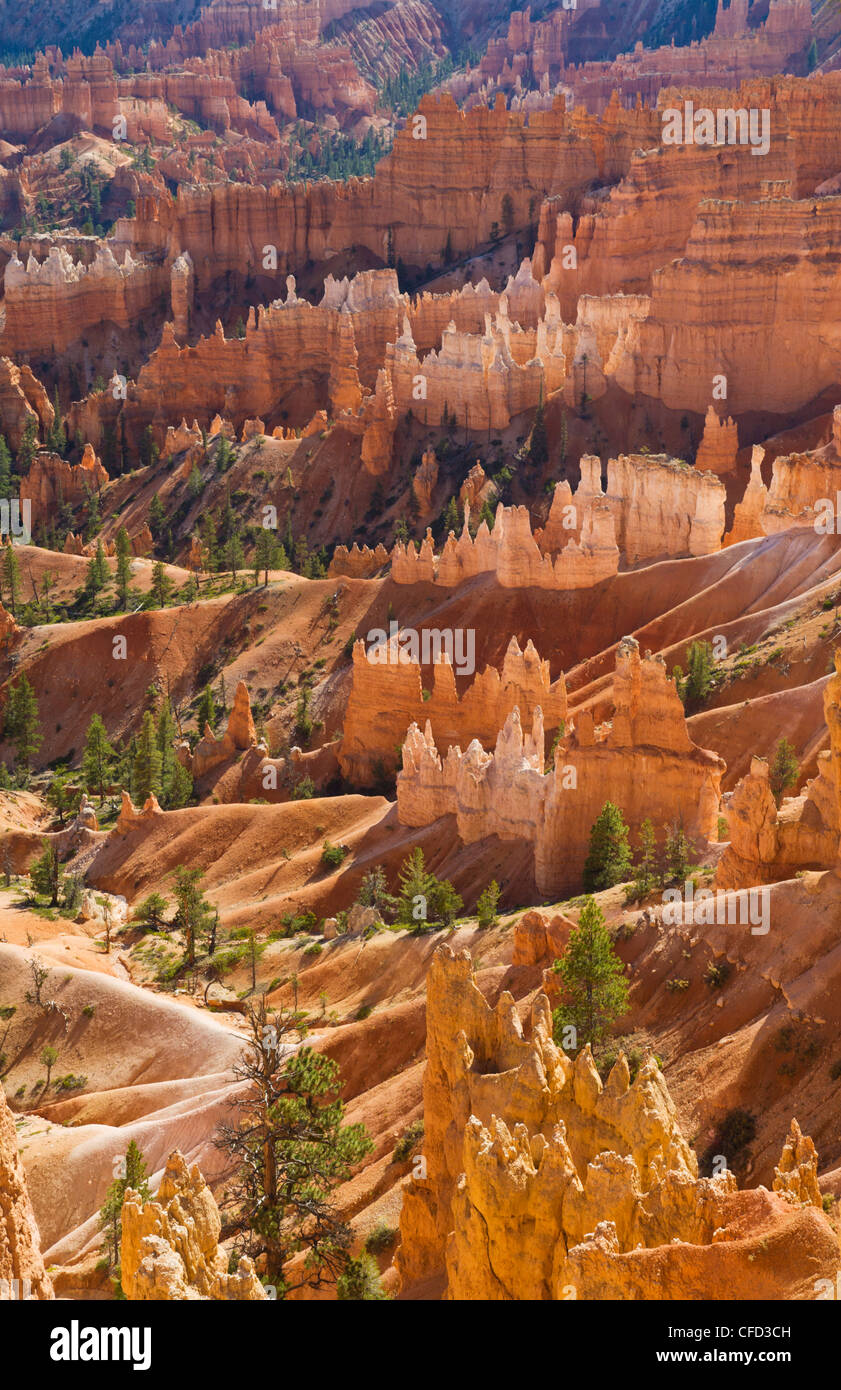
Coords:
22,1273
541,1183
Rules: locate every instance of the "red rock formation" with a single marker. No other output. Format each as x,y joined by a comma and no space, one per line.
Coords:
767,844
50,304
644,762
387,696
514,1127
356,563
22,1273
22,398
720,444
51,480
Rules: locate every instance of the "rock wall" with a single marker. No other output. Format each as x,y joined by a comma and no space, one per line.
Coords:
644,762
22,398
387,697
51,303
543,1183
22,1272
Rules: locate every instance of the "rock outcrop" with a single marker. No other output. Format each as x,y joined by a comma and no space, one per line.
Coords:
541,1182
239,735
22,1272
52,480
644,762
170,1245
767,843
22,400
719,445
387,696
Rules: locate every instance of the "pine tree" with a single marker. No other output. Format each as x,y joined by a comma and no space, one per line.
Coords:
700,676
487,904
123,549
645,867
209,544
265,554
147,761
784,770
26,452
157,517
5,469
101,565
133,1175
234,555
45,873
98,757
539,441
361,1280
166,732
595,992
609,859
416,887
11,578
291,1147
161,585
677,854
22,724
452,520
206,712
193,911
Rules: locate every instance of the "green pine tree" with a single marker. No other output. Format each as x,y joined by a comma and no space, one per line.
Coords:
609,859
645,865
206,712
161,585
416,886
147,761
133,1175
98,758
22,723
595,992
11,578
784,770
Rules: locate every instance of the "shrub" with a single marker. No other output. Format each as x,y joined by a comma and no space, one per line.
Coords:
382,1237
487,904
89,1010
408,1141
717,975
333,855
70,1082
675,985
